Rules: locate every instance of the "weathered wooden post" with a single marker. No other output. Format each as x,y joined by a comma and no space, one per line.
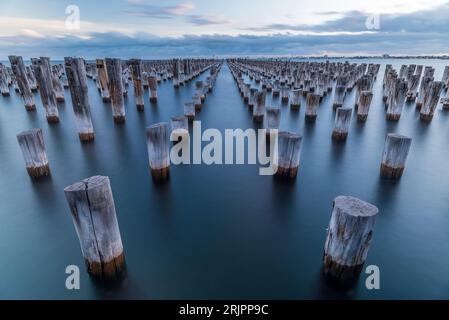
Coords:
57,86
93,212
349,237
394,156
31,143
273,119
136,72
339,96
312,103
179,128
189,111
158,153
103,80
423,88
252,98
289,147
285,92
31,78
199,90
342,122
152,84
175,67
364,103
43,75
115,85
4,86
445,102
396,100
246,92
19,71
412,87
295,102
77,79
259,106
445,78
431,100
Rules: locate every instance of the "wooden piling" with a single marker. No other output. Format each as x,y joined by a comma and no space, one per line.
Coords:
295,101
31,143
259,106
273,119
158,152
77,79
394,155
57,85
115,86
431,100
152,84
342,122
42,71
312,103
136,72
396,100
103,80
19,71
289,147
339,96
93,212
349,237
4,86
423,88
364,104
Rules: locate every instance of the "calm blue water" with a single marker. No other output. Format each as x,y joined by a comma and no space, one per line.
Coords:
224,231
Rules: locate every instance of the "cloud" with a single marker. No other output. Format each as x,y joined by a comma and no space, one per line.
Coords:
415,33
144,9
149,46
203,20
422,21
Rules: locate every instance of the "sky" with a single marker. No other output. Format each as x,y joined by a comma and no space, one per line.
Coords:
176,28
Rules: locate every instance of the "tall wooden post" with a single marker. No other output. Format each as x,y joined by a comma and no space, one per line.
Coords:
423,88
295,102
259,108
19,71
342,122
364,103
136,71
31,143
42,71
57,86
289,148
349,237
273,119
114,70
175,67
152,84
395,155
158,153
396,100
77,79
312,104
93,212
4,86
431,100
103,80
